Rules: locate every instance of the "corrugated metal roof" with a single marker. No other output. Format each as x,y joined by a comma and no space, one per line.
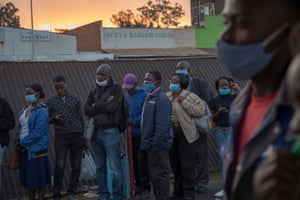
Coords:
80,78
121,53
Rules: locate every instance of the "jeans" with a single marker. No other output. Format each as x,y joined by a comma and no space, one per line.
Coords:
63,143
221,135
107,148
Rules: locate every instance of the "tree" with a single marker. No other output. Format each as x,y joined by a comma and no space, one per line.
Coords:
8,15
127,19
155,14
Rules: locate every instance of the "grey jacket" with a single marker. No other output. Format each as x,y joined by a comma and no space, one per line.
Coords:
157,133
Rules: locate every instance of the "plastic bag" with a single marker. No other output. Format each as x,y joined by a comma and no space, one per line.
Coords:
88,166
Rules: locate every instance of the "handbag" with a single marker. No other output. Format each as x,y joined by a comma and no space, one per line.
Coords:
88,166
204,123
89,129
13,162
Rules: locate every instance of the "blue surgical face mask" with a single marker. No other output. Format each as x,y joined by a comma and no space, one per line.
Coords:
182,71
224,91
246,61
149,87
30,98
174,87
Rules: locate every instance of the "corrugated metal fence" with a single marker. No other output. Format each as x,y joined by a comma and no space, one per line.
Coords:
80,78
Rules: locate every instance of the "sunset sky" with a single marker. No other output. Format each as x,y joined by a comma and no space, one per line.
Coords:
50,14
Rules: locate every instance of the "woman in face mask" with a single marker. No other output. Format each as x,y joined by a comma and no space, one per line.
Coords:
32,141
185,105
219,106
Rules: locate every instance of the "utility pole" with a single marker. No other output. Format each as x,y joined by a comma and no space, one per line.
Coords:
32,27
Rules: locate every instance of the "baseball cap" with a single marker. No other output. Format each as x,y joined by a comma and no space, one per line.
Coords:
129,81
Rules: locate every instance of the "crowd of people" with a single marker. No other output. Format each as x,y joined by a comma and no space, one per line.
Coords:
255,128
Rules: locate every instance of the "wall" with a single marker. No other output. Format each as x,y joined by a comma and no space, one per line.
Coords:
208,36
140,38
17,43
88,36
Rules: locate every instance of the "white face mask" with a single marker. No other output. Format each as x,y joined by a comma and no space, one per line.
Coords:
101,83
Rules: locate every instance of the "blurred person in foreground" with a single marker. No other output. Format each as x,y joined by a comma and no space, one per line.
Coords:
279,176
254,46
32,136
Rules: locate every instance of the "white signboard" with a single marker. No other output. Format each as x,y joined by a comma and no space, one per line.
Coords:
29,35
125,38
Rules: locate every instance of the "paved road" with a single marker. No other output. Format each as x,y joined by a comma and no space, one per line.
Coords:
213,187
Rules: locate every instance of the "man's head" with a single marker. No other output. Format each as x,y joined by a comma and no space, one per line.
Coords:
152,80
264,24
183,67
103,73
60,86
129,82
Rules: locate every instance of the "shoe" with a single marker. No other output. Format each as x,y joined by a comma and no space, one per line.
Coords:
71,197
219,194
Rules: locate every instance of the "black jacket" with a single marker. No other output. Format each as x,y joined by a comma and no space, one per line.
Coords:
105,111
7,121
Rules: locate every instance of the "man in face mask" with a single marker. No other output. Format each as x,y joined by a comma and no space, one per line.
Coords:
104,105
135,97
254,46
157,134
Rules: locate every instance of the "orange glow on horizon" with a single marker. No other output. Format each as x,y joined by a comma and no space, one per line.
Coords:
68,14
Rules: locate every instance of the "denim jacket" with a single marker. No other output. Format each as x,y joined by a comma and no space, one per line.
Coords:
272,133
37,140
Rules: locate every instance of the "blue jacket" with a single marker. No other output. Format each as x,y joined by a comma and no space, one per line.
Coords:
37,140
157,133
135,102
271,134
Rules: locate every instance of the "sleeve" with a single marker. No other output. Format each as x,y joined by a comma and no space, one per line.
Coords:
113,104
193,105
79,110
49,105
89,109
7,118
138,118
